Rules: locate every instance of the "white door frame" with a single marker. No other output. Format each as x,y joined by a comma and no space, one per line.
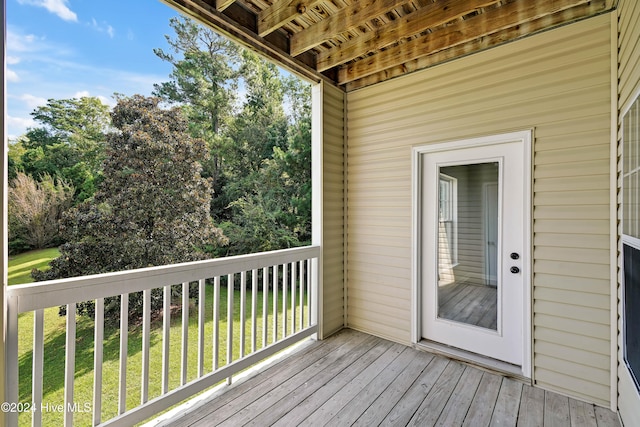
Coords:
525,137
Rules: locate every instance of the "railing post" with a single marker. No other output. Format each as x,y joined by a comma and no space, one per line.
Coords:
11,360
314,297
97,361
70,364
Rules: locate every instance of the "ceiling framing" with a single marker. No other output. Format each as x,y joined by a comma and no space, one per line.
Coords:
357,43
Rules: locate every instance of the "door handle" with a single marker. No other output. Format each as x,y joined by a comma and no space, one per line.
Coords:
515,270
515,255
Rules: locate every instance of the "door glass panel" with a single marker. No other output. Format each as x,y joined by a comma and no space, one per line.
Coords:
468,243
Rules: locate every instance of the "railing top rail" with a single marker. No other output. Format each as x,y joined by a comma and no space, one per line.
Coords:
34,296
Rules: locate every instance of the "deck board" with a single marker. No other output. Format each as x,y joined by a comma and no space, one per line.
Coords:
355,379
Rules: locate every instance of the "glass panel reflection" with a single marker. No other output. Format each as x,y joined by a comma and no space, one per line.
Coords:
468,224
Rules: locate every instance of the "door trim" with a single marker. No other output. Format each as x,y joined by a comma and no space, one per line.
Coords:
525,137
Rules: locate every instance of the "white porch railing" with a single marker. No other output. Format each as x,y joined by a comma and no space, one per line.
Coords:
278,307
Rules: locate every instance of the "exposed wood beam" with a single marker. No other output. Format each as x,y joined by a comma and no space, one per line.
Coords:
223,4
492,21
239,24
282,12
348,18
432,15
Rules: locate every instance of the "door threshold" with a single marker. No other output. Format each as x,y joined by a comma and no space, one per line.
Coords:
474,359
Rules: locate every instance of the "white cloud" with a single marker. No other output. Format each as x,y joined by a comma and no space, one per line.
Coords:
57,7
103,28
17,42
12,76
20,122
81,94
12,60
32,101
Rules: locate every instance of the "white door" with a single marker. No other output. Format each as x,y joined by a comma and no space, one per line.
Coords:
474,245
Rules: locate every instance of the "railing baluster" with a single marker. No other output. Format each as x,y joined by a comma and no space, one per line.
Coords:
12,357
201,305
301,302
265,305
124,344
275,303
166,329
310,312
97,361
146,334
69,364
185,333
285,303
293,297
38,367
230,290
254,308
216,322
243,304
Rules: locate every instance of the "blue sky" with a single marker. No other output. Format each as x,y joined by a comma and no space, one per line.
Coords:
71,48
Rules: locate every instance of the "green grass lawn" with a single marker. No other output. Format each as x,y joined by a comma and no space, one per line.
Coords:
20,266
53,377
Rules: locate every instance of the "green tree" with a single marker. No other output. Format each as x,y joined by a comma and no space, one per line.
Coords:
35,209
68,144
258,151
152,208
204,82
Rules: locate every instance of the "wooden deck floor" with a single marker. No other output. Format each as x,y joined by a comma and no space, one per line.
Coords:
357,379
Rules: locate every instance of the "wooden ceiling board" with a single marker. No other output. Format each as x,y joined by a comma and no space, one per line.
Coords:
356,43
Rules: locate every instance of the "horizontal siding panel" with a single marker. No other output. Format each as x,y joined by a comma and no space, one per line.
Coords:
572,326
369,288
393,243
381,232
571,155
569,385
580,357
589,129
572,240
397,334
379,307
581,298
579,139
598,376
380,284
571,212
579,284
580,255
581,226
482,121
367,294
570,169
365,316
580,342
569,311
576,198
588,183
379,250
395,272
385,260
573,269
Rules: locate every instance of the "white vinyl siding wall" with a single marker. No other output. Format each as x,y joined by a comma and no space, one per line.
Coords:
558,83
333,210
629,84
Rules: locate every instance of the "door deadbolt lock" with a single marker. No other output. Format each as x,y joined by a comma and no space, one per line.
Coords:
515,270
515,255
